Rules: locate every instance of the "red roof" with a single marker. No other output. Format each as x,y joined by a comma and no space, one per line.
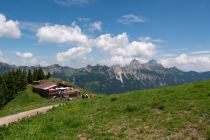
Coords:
45,85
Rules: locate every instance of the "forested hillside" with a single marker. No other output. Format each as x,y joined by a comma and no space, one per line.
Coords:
15,81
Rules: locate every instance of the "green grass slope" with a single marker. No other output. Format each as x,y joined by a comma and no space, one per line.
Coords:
180,112
26,100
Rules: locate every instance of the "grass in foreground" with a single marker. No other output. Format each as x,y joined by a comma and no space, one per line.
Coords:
181,112
26,100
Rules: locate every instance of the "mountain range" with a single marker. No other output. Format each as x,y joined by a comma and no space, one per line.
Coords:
116,78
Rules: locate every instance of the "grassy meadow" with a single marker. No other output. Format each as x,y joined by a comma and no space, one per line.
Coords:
179,112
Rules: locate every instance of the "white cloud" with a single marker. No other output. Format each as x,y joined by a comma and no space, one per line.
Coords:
89,24
108,42
62,34
31,26
188,62
186,59
35,61
9,28
120,46
96,26
200,52
84,19
72,2
149,39
116,60
28,59
136,48
25,55
130,18
165,62
66,34
73,53
183,59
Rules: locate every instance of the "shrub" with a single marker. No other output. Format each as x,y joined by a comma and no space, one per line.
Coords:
113,98
208,135
4,131
161,107
131,108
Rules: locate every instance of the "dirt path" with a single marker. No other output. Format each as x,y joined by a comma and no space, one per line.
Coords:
16,117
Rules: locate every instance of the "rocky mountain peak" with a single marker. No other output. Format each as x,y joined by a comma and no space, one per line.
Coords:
89,66
135,62
55,65
153,65
153,62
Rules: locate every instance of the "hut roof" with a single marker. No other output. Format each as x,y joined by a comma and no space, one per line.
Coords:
45,85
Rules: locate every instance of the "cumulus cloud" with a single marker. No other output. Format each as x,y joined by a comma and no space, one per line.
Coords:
28,59
9,28
96,26
116,60
121,46
131,18
73,53
35,61
72,2
186,59
108,42
136,48
25,55
62,34
118,45
188,62
183,59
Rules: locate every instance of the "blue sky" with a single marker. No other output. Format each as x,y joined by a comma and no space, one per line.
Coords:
80,32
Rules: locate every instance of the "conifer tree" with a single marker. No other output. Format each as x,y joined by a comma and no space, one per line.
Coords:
29,77
10,84
35,75
41,74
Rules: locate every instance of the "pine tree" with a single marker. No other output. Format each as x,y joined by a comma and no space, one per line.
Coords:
35,75
3,99
29,77
2,102
10,84
18,76
23,78
41,74
1,96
